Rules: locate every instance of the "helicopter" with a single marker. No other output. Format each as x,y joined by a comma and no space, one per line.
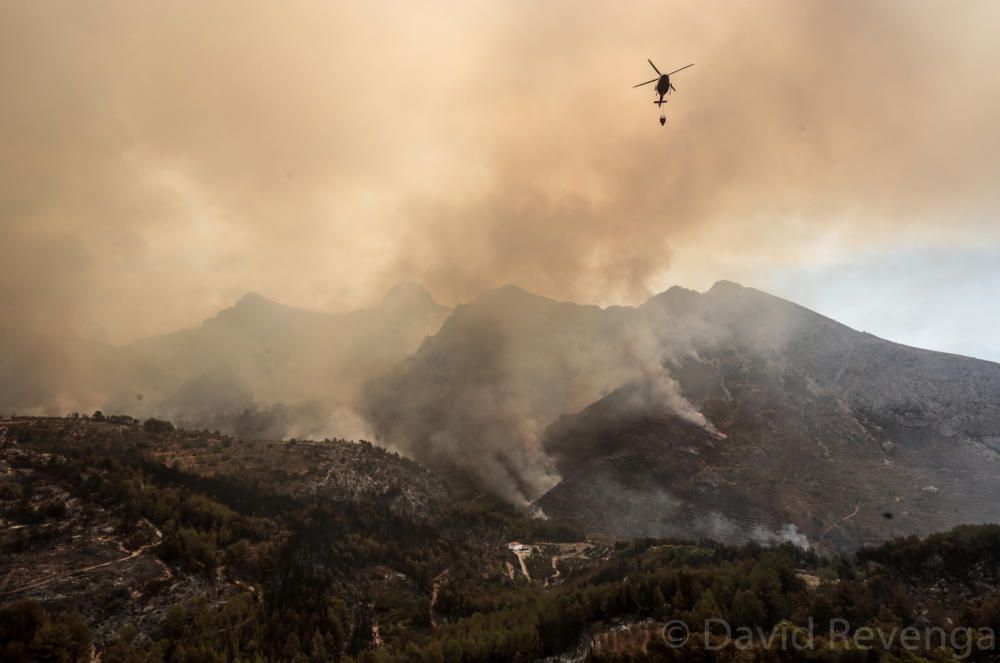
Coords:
663,86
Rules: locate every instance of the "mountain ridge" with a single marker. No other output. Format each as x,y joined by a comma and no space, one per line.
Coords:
259,351
575,408
773,376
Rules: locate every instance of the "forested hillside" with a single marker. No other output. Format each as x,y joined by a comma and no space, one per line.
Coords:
145,543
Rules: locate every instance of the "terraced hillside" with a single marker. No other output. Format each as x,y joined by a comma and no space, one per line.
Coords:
138,542
133,525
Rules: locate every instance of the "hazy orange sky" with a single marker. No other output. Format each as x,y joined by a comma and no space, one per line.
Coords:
160,159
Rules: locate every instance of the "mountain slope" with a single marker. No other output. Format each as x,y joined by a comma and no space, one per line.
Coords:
828,428
257,352
283,354
123,543
477,395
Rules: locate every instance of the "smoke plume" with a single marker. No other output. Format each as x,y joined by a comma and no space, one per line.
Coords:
161,159
480,394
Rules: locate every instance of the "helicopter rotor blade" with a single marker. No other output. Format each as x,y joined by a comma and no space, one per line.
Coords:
681,69
673,88
646,83
653,66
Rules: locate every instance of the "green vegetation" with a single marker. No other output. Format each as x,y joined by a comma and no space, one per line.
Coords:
30,633
360,580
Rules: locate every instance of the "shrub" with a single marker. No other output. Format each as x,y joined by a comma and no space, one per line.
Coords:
153,425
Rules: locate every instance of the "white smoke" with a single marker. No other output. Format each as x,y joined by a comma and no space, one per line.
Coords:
718,527
651,348
664,391
788,533
480,394
497,437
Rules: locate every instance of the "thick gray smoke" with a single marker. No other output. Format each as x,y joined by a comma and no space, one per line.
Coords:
663,392
480,394
257,369
718,527
661,338
161,159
